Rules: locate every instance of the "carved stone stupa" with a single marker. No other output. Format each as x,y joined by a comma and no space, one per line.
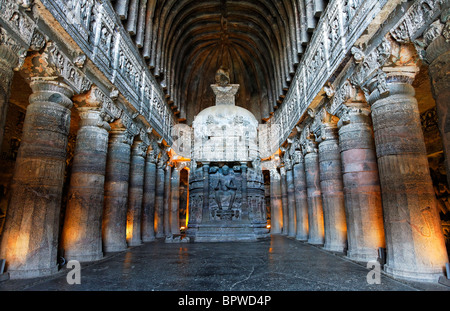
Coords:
226,183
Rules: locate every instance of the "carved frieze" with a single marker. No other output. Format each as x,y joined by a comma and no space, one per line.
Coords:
68,70
342,23
416,19
97,30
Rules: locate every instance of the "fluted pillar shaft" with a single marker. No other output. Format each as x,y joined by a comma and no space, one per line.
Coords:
135,193
167,201
245,215
301,197
148,199
364,214
276,213
332,189
414,237
116,190
82,231
292,221
30,237
205,207
315,205
159,200
284,200
175,201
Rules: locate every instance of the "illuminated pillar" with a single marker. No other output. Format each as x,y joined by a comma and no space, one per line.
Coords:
292,221
159,199
148,200
301,198
414,237
276,213
245,204
82,231
175,200
331,186
116,188
167,201
315,208
365,230
284,200
136,192
30,236
438,56
205,207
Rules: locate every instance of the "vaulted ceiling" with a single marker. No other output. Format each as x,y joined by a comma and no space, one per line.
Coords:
185,41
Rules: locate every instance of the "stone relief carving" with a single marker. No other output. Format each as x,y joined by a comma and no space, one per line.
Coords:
68,70
419,14
318,60
94,27
225,186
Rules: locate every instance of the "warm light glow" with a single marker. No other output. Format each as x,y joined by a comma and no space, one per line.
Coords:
174,157
129,230
268,226
182,228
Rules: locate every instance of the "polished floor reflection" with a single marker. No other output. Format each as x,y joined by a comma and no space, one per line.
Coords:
278,264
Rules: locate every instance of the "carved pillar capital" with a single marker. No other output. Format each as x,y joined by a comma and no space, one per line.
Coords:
152,155
399,71
139,148
53,64
287,162
121,135
297,157
308,141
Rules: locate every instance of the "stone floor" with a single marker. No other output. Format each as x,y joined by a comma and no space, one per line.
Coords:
279,264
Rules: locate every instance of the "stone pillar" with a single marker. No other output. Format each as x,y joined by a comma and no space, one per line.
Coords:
363,209
301,198
135,193
149,197
245,216
315,208
9,59
116,189
175,200
159,200
276,213
167,202
292,221
205,207
30,236
332,188
82,231
414,237
284,200
438,56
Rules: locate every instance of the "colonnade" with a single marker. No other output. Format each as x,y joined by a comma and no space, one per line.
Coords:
363,176
120,181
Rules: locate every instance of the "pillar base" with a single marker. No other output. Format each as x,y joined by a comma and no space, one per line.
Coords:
29,274
115,248
301,238
315,242
83,257
362,256
134,243
431,276
334,248
148,240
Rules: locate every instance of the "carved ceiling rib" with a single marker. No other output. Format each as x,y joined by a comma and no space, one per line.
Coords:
185,41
